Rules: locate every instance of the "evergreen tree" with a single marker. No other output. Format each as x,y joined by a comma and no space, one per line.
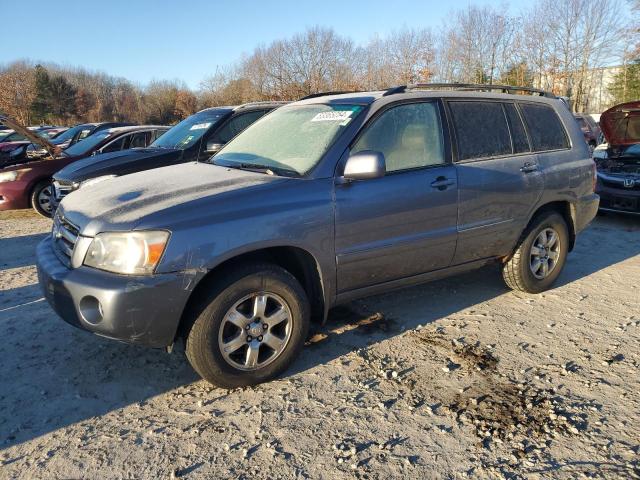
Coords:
62,99
41,105
517,75
625,86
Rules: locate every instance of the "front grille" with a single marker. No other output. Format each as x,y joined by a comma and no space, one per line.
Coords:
633,183
65,235
62,189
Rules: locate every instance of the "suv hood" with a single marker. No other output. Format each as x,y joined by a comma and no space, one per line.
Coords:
621,124
114,163
166,194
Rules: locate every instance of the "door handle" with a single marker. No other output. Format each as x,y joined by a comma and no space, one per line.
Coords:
441,183
529,167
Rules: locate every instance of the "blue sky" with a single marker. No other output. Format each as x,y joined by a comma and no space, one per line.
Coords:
163,39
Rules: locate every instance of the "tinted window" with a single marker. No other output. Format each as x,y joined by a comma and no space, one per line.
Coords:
409,136
545,129
481,129
115,145
518,133
140,140
236,125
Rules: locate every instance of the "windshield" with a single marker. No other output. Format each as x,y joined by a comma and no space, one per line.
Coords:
631,151
291,138
189,131
85,146
12,137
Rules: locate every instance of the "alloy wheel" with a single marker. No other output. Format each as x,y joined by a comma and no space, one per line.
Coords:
255,331
545,252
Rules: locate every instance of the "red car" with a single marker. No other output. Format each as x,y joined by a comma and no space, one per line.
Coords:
619,164
29,183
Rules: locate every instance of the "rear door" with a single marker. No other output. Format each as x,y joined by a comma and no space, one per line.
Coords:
404,223
499,181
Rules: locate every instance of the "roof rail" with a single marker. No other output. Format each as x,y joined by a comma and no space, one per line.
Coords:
469,87
324,94
264,102
393,90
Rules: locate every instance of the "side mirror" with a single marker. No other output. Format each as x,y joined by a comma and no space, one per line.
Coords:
213,147
365,165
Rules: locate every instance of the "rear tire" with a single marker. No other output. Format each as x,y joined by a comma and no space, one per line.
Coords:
249,327
540,255
42,198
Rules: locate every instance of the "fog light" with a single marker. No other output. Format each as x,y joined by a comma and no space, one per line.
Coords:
91,310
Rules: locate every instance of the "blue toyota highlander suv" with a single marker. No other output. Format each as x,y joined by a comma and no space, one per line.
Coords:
320,202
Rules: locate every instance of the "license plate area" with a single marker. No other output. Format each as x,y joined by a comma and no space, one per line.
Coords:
624,203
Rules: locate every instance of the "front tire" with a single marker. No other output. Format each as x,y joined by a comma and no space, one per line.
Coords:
42,198
540,255
248,328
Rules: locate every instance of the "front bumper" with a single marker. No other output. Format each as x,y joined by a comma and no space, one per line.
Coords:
13,196
143,310
623,200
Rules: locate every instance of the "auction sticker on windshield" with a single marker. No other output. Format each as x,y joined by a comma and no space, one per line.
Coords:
333,116
200,126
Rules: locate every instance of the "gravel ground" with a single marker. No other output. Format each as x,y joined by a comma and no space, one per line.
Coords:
457,378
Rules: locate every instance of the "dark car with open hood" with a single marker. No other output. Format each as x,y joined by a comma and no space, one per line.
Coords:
29,182
195,138
619,164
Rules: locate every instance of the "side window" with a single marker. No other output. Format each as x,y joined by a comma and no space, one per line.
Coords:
83,134
481,129
156,134
518,133
545,128
236,125
140,140
409,136
114,146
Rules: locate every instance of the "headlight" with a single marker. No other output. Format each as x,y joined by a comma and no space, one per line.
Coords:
8,176
93,181
135,253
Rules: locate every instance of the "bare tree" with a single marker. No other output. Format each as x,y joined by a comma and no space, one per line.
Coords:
18,91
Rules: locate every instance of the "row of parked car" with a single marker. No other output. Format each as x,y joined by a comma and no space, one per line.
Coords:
37,176
284,211
138,147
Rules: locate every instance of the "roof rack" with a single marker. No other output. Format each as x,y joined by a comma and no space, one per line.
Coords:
468,87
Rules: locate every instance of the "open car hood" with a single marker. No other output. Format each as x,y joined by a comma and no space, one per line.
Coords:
621,124
32,136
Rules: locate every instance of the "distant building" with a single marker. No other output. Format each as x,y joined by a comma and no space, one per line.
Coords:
596,97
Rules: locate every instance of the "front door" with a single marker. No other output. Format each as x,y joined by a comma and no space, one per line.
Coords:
404,223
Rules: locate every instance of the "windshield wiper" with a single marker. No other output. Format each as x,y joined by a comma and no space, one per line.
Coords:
269,170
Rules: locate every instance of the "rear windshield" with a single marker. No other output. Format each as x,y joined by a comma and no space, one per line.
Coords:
545,128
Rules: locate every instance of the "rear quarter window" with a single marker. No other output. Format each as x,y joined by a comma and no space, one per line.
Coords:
518,133
545,128
481,129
